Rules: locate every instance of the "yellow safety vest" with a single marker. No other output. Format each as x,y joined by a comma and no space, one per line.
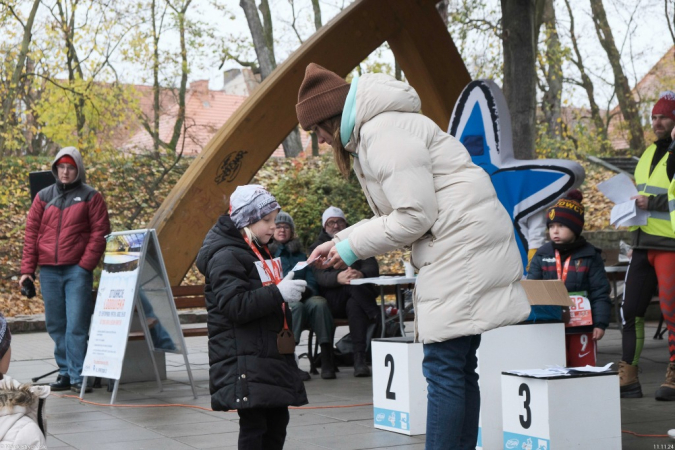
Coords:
659,223
671,203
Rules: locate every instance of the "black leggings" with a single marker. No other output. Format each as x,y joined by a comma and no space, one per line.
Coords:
262,428
357,304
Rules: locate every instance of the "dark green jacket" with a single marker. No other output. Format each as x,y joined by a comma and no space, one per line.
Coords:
290,254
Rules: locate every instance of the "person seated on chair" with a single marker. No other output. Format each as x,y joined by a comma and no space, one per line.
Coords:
22,414
312,311
356,303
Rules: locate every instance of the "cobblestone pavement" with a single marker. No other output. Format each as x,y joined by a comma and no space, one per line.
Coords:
148,423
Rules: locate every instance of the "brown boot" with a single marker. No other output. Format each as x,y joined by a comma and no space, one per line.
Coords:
628,381
667,390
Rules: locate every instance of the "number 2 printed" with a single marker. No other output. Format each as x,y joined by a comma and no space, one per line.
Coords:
390,359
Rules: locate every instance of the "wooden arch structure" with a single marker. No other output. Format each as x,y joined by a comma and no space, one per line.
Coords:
423,48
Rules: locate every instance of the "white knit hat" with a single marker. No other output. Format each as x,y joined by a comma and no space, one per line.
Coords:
250,203
332,211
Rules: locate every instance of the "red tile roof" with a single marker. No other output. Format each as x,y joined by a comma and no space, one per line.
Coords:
206,112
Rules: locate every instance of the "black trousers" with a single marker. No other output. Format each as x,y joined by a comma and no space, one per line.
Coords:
262,428
357,304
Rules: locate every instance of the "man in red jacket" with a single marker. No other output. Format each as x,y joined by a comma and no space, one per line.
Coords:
65,236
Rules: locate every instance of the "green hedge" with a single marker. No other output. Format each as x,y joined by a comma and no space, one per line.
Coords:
305,188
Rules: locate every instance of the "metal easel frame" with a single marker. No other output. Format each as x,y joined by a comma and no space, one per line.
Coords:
137,306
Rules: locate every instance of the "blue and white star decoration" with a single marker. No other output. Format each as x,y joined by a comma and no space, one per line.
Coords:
481,121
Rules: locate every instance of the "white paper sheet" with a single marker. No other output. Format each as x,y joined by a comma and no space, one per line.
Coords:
299,266
622,211
619,189
553,371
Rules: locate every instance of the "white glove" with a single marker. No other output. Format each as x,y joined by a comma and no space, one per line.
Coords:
291,290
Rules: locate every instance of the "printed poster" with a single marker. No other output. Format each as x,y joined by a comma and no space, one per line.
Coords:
114,305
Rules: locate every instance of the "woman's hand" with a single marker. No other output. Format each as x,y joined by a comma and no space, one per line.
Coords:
326,256
321,252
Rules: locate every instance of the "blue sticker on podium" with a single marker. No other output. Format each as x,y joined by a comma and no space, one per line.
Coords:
514,441
390,418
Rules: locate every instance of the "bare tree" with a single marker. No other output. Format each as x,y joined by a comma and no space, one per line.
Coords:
262,33
552,68
175,145
627,103
670,20
442,8
317,14
520,77
586,83
12,86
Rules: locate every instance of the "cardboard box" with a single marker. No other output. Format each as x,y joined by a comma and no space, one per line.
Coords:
546,292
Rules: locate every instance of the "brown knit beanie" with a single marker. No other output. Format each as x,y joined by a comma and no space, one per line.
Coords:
322,95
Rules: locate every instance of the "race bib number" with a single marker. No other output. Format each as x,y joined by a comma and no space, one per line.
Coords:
264,274
580,313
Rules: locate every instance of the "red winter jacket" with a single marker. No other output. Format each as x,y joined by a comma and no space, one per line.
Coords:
66,225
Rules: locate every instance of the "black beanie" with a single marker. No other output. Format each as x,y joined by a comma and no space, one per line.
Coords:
568,211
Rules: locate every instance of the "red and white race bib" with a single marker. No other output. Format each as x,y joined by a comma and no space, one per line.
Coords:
580,313
273,270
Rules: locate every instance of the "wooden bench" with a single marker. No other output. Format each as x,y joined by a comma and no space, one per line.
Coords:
184,297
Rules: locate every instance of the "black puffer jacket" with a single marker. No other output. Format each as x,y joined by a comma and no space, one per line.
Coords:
327,278
244,317
586,273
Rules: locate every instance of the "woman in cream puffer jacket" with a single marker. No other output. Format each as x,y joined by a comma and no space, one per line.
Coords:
426,193
23,423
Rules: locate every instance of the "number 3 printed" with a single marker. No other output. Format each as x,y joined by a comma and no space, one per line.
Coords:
526,421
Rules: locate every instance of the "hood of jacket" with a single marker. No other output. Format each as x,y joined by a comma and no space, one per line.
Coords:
75,154
374,94
18,400
223,234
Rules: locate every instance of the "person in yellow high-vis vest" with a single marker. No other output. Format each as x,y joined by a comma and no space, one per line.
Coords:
653,257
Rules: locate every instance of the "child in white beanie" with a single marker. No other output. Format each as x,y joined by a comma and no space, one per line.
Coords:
251,345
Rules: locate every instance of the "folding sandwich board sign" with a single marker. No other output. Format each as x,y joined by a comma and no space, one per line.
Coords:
133,279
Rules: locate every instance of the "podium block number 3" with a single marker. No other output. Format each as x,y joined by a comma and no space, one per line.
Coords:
523,391
390,359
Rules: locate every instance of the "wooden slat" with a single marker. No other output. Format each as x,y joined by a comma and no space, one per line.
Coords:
192,332
185,291
189,302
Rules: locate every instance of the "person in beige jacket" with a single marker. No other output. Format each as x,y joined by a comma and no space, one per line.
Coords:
426,193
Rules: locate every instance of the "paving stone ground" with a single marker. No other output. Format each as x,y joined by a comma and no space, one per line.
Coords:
76,425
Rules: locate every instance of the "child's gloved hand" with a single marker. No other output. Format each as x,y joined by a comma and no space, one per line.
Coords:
291,290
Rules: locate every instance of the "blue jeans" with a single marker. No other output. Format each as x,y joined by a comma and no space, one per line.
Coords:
453,395
66,291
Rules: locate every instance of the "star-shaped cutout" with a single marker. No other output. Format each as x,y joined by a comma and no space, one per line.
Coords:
481,121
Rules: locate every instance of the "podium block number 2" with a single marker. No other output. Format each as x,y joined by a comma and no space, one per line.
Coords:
525,420
390,359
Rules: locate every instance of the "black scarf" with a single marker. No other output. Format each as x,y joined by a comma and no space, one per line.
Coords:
567,249
661,149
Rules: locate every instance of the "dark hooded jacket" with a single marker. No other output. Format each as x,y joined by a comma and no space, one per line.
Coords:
586,273
327,278
244,318
66,224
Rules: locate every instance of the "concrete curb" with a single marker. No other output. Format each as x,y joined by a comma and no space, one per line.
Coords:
36,322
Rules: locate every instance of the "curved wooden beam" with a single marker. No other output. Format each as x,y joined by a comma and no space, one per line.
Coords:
423,48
